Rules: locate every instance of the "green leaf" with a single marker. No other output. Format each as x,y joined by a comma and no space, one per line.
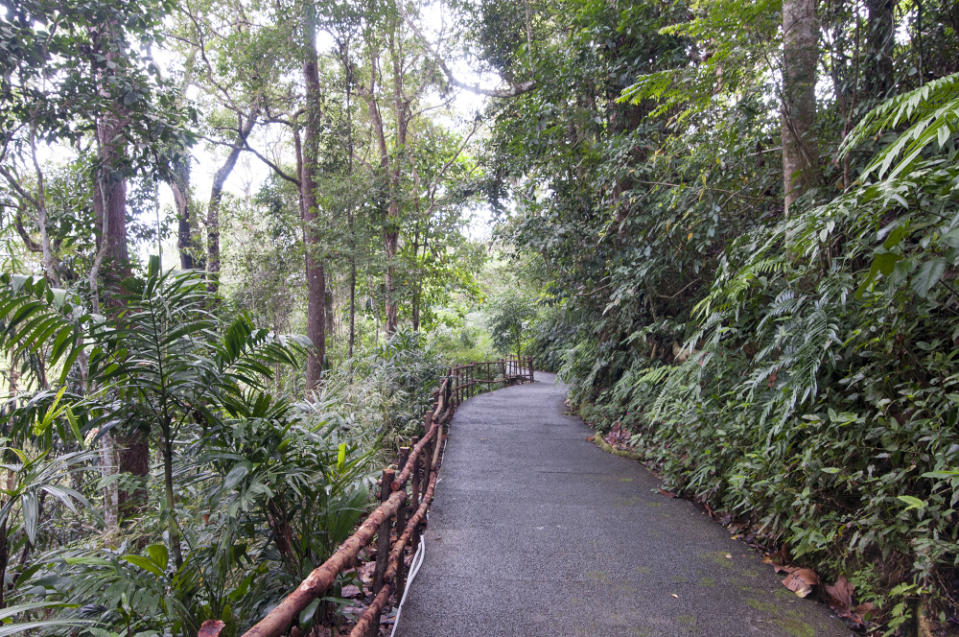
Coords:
340,456
159,554
914,503
10,611
31,513
895,237
951,238
235,475
145,563
885,262
20,629
929,273
831,470
306,615
74,427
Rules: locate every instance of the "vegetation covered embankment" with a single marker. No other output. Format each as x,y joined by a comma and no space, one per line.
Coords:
745,219
252,490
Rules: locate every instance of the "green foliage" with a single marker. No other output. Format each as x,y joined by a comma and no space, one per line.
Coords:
797,373
383,393
509,317
821,405
256,491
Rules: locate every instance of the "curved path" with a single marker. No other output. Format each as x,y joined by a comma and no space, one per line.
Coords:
536,532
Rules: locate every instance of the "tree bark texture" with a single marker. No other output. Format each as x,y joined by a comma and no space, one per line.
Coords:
315,275
109,204
880,39
134,452
187,244
800,55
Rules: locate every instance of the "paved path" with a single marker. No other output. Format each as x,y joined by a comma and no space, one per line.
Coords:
536,532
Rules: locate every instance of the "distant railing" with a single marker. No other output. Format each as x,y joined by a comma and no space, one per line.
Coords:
404,498
470,378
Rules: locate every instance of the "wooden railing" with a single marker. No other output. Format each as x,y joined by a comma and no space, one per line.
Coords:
470,379
405,494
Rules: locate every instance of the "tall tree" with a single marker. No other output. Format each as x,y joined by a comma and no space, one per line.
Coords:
800,56
308,163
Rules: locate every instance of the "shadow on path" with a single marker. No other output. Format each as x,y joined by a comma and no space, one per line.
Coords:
536,532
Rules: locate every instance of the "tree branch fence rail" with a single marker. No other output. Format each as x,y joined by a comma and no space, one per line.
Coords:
405,495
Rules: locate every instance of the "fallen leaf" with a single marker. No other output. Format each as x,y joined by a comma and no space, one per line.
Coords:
668,494
211,628
801,581
840,593
365,571
351,590
863,609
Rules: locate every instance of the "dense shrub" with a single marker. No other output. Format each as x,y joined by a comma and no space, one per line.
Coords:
817,394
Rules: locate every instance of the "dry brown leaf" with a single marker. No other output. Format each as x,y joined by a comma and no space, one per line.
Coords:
668,494
801,581
365,571
211,628
840,594
350,590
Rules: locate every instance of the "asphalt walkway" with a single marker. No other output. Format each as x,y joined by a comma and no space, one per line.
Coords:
536,532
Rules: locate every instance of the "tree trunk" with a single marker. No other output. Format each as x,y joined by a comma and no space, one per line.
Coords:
391,232
243,130
134,453
315,275
328,312
352,338
879,40
112,265
351,212
800,56
417,277
108,468
173,529
391,242
109,206
186,243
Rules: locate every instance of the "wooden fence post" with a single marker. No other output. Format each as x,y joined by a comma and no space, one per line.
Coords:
402,515
382,545
414,482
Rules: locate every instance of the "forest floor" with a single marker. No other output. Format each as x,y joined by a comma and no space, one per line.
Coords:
535,531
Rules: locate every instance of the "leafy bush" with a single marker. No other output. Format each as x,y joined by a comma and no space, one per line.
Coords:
822,405
248,491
